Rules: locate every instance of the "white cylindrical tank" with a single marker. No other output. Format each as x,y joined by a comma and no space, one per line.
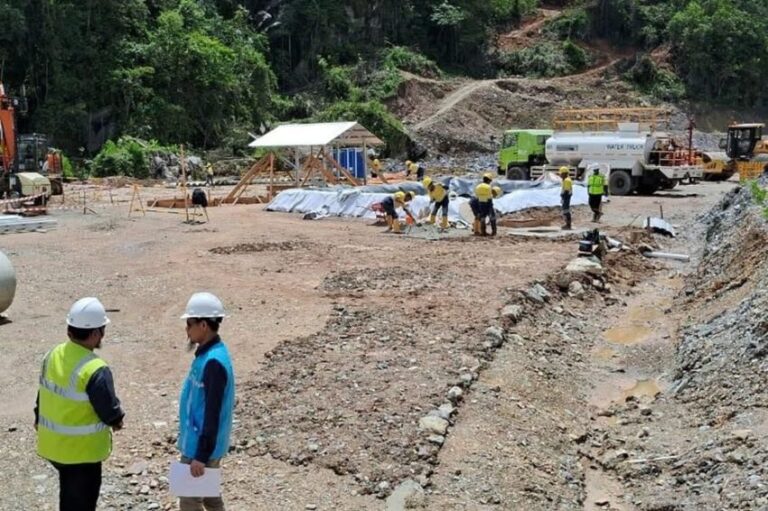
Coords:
572,148
7,283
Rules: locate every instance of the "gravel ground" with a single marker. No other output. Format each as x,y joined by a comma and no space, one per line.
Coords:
369,365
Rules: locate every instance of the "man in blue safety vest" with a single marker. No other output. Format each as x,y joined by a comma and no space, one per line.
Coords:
207,398
77,408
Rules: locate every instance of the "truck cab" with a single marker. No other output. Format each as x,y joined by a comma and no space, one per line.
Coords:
746,149
744,140
521,150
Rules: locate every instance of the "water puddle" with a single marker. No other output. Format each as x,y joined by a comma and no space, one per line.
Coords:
627,335
643,389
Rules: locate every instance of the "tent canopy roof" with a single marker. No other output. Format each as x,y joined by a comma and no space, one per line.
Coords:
345,134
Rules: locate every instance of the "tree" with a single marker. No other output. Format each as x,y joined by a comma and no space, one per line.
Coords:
720,51
197,77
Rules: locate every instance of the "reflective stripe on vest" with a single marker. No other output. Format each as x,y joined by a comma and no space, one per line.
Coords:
72,430
70,392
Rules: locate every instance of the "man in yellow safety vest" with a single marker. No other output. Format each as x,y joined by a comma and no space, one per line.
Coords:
596,190
484,204
77,408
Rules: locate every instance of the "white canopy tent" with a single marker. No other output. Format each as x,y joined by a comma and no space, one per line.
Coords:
317,138
341,134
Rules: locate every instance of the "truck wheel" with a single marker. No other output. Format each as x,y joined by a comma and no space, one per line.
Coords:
517,174
620,182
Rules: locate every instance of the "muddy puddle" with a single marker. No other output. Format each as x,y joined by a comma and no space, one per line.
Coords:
640,314
605,354
643,390
627,335
619,388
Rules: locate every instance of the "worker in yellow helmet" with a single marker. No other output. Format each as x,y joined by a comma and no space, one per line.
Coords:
77,408
408,164
439,195
484,196
375,167
390,206
566,192
413,169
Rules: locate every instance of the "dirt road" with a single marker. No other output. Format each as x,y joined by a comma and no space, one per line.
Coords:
343,338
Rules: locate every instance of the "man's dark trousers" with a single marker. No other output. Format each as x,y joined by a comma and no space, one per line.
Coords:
79,486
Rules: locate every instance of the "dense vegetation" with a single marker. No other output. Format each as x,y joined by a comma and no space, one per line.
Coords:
205,72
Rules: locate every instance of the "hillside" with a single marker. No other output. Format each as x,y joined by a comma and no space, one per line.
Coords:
205,73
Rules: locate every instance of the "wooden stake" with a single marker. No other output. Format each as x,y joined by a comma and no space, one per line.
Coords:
184,181
134,197
271,176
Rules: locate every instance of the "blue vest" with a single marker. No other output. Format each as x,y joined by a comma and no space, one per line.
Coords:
192,404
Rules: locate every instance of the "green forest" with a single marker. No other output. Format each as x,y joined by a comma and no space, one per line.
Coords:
207,72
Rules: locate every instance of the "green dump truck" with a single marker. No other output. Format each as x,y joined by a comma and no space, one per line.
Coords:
521,150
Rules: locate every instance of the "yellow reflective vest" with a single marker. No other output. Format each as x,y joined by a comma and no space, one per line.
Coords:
68,430
437,192
567,186
484,192
596,184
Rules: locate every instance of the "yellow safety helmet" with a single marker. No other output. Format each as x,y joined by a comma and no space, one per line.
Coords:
497,192
488,175
564,170
427,181
408,162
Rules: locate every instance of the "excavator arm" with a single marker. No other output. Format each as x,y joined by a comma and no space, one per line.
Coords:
7,133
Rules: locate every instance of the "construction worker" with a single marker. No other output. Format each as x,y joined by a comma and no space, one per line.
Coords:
77,408
375,167
413,169
209,174
596,189
391,204
408,164
420,171
208,397
439,195
484,195
566,192
497,193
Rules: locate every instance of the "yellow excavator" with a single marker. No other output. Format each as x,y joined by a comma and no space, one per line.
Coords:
746,150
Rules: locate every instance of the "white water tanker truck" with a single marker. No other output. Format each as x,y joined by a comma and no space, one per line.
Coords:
642,162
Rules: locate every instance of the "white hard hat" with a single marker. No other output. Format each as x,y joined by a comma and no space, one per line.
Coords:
87,313
204,305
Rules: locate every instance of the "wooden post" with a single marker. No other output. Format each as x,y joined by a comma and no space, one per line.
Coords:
271,176
296,166
365,163
184,181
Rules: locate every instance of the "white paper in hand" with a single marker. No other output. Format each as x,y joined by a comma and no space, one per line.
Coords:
184,485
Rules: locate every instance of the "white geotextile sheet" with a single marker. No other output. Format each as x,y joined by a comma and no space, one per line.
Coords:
351,202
